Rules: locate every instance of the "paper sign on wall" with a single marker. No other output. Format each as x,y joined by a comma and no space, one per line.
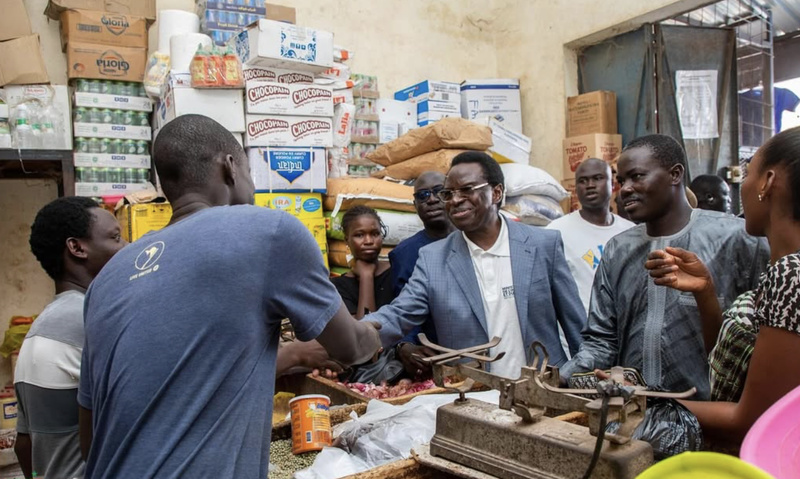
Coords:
696,98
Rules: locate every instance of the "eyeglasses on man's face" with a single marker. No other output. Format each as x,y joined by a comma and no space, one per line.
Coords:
464,192
424,195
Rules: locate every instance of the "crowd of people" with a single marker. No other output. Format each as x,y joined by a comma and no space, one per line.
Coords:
166,350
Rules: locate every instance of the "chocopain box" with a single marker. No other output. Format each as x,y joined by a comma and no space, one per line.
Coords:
288,169
272,98
277,75
299,131
301,205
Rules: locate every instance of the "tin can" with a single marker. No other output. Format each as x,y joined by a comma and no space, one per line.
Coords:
311,423
116,147
93,145
129,175
141,91
93,115
142,119
80,173
91,175
106,87
105,145
129,147
81,146
106,117
141,147
82,85
94,86
114,175
144,175
80,115
128,117
132,88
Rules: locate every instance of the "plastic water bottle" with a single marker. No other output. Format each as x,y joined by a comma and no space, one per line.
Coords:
52,128
23,133
36,124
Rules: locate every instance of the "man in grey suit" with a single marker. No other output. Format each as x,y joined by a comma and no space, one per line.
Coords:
493,277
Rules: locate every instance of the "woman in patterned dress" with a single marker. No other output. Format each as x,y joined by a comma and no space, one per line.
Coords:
771,201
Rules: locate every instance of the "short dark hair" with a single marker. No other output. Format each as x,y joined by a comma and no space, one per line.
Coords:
665,149
784,149
185,149
68,217
491,170
358,211
706,183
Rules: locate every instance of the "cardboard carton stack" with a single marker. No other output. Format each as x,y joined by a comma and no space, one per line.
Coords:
106,56
434,100
591,133
496,98
21,60
289,118
344,111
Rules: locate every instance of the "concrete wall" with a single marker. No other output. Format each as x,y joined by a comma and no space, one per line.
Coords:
25,288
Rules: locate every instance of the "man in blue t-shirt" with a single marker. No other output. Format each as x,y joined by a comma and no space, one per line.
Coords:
182,326
403,257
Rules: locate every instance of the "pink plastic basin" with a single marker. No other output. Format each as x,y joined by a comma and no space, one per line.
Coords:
773,443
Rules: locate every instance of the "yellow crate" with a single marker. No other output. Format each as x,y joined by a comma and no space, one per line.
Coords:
138,220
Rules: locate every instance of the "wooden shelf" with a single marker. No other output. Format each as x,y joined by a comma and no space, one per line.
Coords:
56,164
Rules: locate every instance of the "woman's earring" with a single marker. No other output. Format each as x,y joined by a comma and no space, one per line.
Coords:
760,197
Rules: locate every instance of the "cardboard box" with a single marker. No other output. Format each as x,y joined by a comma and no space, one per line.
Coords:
432,117
223,106
14,21
106,28
594,112
402,112
280,45
493,98
317,228
570,203
579,148
508,146
258,73
428,106
21,62
269,98
110,189
88,60
140,219
288,169
115,102
56,95
107,160
104,130
301,205
303,131
388,131
430,90
139,8
220,15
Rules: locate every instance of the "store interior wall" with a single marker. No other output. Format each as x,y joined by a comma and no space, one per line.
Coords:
399,42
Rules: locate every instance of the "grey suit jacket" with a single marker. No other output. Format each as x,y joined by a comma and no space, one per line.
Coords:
444,287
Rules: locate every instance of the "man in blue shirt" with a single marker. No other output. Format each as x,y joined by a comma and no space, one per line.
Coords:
182,326
430,209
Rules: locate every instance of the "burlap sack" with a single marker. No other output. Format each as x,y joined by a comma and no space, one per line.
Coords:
450,133
410,169
344,193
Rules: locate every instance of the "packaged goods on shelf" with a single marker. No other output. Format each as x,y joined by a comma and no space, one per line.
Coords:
224,19
337,161
429,111
593,112
493,98
216,68
278,75
115,124
301,205
279,45
338,72
288,169
89,60
113,146
114,175
110,189
361,171
270,98
365,85
431,90
366,107
139,219
507,146
359,152
343,122
39,116
273,130
110,160
341,54
105,28
579,148
110,94
402,112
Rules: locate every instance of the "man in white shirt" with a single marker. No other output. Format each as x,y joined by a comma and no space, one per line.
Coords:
493,277
585,232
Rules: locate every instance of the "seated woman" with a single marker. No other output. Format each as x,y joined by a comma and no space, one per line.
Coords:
772,209
368,285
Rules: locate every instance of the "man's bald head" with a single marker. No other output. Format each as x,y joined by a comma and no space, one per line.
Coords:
712,193
593,185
